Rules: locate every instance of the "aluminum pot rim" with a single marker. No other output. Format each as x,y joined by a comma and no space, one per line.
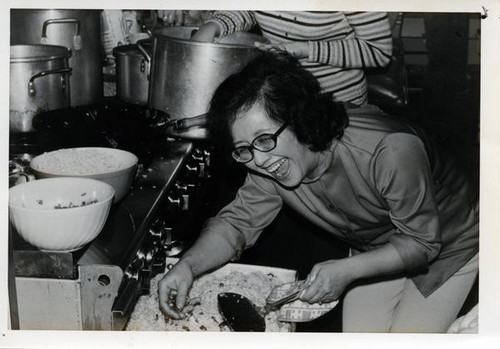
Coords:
131,50
54,52
160,34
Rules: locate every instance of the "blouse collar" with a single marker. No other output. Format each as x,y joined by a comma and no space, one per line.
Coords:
324,163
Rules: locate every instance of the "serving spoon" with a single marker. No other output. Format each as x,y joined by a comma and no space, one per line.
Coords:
242,315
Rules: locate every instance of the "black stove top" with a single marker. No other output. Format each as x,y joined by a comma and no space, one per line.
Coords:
110,123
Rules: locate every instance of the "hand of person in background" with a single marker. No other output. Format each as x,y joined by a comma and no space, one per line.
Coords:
173,290
299,49
177,18
326,282
173,18
207,32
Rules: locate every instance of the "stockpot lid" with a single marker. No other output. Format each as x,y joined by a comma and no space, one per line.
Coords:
37,53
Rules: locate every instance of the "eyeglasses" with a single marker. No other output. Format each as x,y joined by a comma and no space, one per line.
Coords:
264,143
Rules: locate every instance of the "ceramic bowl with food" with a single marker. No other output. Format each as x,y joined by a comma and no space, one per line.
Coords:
113,166
60,214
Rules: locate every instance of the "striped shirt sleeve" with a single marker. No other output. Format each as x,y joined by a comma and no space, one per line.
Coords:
370,44
233,21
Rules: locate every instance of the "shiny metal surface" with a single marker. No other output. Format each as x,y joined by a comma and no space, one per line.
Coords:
78,30
133,64
185,73
39,81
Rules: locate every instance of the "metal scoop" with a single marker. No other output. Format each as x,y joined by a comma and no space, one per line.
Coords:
240,314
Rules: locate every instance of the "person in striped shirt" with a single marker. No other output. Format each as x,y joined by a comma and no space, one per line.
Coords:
335,47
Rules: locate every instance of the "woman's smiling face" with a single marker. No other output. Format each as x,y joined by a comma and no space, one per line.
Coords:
289,163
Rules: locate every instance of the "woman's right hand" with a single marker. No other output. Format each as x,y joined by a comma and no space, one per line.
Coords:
173,290
207,32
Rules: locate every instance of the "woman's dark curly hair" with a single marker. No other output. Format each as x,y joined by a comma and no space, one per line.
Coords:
286,92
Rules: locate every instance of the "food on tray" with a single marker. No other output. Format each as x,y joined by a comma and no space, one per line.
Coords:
205,316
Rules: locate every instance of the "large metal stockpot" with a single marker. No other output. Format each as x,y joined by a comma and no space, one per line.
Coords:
79,30
133,64
39,81
185,73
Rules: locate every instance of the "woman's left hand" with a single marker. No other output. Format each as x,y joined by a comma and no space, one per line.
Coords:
299,49
326,282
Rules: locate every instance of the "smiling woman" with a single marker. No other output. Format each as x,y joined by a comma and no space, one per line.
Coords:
372,180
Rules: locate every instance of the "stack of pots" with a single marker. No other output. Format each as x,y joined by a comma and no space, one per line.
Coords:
76,30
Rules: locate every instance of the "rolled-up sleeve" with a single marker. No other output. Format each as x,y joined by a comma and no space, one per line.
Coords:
403,177
241,222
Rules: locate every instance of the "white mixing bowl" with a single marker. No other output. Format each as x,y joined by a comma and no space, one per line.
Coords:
113,166
60,214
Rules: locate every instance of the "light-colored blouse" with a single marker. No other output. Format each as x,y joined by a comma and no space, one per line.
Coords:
387,183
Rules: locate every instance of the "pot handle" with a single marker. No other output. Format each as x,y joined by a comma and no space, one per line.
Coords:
143,50
145,54
27,177
77,39
187,123
31,83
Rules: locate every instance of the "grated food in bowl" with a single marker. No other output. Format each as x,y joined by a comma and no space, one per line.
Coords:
86,161
206,317
60,206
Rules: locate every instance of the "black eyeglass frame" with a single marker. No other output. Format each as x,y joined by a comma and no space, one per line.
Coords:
274,136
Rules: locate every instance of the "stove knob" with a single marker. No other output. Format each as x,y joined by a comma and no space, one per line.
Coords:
207,157
145,255
150,255
156,233
197,155
140,255
181,202
185,202
185,187
166,236
181,187
192,170
132,270
131,274
174,201
159,263
204,173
